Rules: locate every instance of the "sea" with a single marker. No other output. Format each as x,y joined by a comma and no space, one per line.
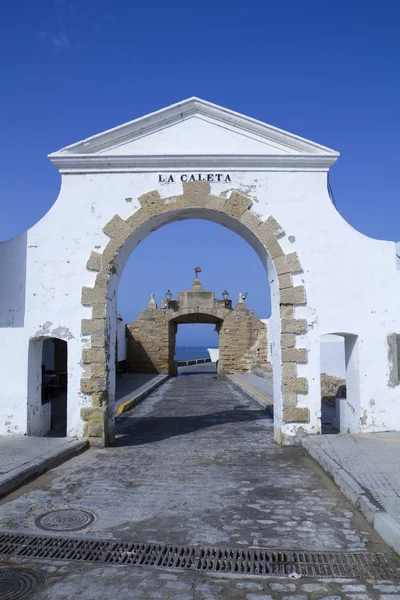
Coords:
191,352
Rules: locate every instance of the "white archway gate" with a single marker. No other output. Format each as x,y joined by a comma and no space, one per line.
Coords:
197,160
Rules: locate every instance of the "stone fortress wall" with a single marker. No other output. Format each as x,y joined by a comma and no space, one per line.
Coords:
151,337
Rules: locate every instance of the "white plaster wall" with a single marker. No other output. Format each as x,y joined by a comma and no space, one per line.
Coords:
14,381
183,134
13,278
334,257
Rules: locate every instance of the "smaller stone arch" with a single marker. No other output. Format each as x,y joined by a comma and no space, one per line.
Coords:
151,336
197,202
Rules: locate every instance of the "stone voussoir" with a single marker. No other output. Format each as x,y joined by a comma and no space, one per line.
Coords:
117,228
99,398
250,220
286,311
274,248
86,411
97,423
274,226
296,414
98,339
110,252
293,326
93,355
99,311
236,205
295,295
295,384
98,370
298,355
285,281
288,263
265,232
102,280
89,326
289,370
194,190
289,398
95,295
94,262
288,340
91,385
151,200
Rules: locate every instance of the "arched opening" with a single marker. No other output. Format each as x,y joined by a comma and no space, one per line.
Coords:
194,359
47,387
280,262
177,332
340,395
205,352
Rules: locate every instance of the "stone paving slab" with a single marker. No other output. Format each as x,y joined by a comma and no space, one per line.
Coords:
366,467
22,457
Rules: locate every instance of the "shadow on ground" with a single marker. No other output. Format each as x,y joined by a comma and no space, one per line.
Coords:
134,431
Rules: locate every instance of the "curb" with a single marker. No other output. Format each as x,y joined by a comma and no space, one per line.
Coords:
252,393
385,525
131,400
54,458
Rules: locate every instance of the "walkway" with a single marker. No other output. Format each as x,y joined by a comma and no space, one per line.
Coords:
195,463
22,457
258,388
367,469
131,388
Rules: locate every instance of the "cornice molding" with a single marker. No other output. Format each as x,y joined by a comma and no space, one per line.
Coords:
83,163
181,111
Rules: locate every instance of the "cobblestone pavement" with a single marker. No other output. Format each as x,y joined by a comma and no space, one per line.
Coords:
63,581
372,460
195,463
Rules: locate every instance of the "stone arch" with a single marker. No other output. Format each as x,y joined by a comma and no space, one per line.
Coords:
99,416
151,337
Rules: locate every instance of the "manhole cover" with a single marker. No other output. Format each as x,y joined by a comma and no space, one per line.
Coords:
66,519
18,583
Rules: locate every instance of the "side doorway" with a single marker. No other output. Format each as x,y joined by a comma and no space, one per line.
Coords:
47,387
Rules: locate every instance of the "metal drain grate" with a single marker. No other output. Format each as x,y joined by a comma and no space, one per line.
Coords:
222,560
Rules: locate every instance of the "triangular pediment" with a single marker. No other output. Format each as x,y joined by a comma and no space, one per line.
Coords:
192,128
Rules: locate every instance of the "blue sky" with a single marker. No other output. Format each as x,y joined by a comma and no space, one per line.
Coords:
326,71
